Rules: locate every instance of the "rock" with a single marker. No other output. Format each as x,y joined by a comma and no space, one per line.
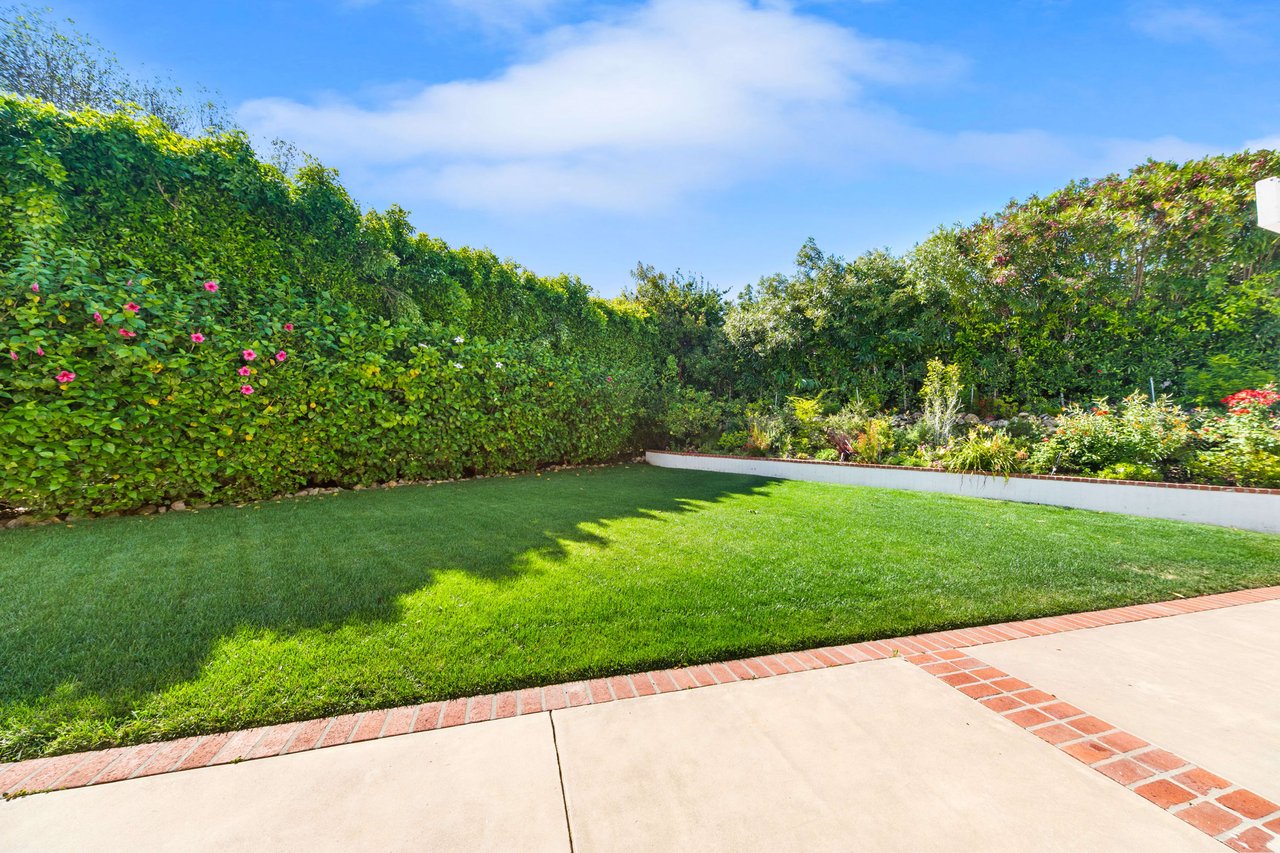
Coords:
200,505
20,521
971,419
358,487
178,506
147,510
162,510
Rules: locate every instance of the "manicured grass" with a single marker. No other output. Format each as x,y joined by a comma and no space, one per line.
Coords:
131,629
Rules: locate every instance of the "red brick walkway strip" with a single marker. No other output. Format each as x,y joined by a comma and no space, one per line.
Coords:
1233,815
1000,692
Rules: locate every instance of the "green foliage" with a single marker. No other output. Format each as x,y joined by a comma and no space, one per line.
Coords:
768,432
1137,431
733,441
809,434
941,396
688,315
98,211
1242,447
692,417
985,449
859,328
874,442
339,399
1130,471
1094,290
1097,288
1222,375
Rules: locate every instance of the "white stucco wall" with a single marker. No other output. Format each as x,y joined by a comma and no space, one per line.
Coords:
1223,507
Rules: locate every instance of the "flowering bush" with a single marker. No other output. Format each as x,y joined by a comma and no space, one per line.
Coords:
1243,448
1138,430
92,420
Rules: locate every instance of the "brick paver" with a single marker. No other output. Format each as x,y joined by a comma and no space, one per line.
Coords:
1239,818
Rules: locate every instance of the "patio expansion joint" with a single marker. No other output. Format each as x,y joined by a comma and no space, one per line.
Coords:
943,648
564,796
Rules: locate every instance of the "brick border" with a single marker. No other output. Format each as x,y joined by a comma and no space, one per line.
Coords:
1236,816
1199,487
81,769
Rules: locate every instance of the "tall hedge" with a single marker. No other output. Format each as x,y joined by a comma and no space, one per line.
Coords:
1161,275
182,321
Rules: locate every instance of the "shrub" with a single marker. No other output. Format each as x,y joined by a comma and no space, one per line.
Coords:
767,431
827,454
1024,428
807,432
841,428
941,395
1243,447
735,441
874,442
1140,431
985,449
1130,471
691,416
121,393
1221,375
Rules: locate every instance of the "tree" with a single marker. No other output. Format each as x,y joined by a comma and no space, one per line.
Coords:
53,61
689,314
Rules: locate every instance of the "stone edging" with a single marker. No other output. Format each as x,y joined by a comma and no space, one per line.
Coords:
81,769
1202,487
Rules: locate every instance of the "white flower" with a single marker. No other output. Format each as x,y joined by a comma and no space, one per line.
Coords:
498,365
458,365
458,339
424,346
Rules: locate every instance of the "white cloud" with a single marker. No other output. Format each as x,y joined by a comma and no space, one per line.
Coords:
1237,34
1269,142
628,112
635,111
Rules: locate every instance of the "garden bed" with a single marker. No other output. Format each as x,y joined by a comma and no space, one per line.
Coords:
1226,506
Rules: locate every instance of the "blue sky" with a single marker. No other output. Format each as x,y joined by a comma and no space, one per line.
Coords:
715,135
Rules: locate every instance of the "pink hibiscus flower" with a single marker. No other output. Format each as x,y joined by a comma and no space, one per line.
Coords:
211,286
197,338
97,318
288,327
246,389
280,356
133,306
64,377
244,371
35,288
249,355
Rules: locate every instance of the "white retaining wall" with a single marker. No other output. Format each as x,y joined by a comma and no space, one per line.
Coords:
1257,510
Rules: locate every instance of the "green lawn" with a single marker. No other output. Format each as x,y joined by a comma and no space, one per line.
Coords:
131,629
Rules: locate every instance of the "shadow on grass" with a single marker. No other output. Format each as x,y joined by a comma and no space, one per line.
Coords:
125,607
